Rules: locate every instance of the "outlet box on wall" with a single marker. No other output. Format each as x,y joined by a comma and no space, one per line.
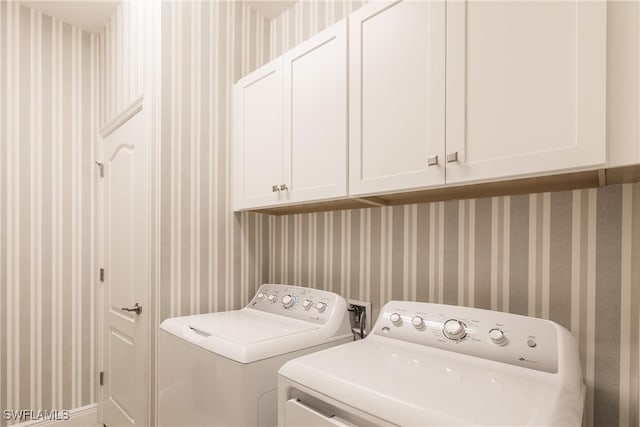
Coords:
356,310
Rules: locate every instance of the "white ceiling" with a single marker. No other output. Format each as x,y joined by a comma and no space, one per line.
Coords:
271,8
90,15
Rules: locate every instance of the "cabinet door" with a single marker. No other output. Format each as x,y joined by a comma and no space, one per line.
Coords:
396,96
258,137
525,87
315,106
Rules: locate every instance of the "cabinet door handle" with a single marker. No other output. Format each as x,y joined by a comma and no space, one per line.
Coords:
275,188
283,187
452,157
432,161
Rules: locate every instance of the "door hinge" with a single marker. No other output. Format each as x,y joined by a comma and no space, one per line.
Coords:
100,169
102,274
101,377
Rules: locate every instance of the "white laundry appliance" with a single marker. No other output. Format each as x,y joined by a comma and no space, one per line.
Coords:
221,368
431,364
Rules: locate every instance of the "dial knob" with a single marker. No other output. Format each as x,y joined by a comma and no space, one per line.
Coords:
454,329
396,319
306,304
418,322
272,298
287,301
320,306
260,296
497,337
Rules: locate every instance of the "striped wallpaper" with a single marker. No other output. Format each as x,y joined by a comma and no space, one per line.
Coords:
211,259
48,123
566,256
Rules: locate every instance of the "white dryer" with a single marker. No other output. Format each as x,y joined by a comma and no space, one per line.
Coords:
429,364
221,368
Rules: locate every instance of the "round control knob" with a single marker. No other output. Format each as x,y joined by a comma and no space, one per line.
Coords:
260,296
272,298
287,301
497,337
454,329
396,319
306,304
320,306
417,322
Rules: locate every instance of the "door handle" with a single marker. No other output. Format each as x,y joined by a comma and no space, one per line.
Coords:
136,308
432,161
452,157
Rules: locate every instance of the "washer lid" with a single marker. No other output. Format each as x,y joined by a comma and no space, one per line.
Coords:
409,384
245,326
247,335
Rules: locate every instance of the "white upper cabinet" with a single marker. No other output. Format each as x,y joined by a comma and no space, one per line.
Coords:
257,138
526,84
315,117
410,95
290,125
396,96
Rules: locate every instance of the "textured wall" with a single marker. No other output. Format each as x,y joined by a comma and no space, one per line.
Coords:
48,123
571,257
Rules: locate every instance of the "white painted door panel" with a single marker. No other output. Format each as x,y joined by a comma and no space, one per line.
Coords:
396,93
258,137
125,334
525,87
315,106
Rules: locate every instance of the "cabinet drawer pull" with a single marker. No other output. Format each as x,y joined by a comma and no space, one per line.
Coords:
432,161
275,188
283,187
452,157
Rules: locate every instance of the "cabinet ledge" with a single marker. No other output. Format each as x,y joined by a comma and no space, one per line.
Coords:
540,184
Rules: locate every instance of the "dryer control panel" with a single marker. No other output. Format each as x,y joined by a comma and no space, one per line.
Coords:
313,305
504,337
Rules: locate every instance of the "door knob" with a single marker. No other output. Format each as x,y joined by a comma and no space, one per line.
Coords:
432,161
283,187
275,188
452,157
136,308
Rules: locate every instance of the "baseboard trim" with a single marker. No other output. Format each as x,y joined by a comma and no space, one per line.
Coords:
84,416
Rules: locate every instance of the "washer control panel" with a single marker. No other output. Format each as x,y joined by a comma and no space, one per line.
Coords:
504,337
309,304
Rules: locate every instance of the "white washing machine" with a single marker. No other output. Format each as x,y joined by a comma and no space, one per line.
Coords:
221,368
430,364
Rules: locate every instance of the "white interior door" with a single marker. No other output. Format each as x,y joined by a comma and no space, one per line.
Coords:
396,96
126,217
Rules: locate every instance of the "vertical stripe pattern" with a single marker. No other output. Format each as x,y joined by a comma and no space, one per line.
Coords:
212,259
49,103
568,257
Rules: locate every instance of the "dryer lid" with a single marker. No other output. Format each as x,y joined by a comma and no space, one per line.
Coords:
408,384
